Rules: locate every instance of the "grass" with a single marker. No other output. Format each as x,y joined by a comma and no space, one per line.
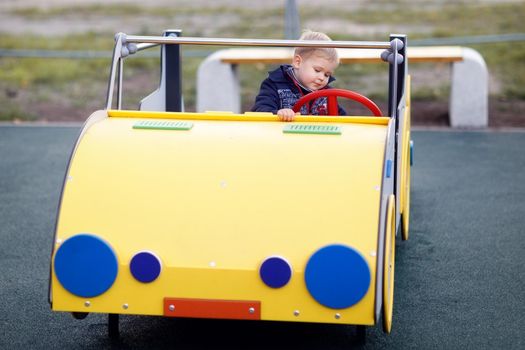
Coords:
506,61
77,86
87,41
14,113
451,19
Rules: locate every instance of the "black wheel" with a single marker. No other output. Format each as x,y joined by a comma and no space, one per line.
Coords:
80,315
113,326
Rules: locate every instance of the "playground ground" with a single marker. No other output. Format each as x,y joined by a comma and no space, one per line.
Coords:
459,278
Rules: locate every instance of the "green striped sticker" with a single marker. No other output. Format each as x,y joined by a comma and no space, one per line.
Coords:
312,129
162,125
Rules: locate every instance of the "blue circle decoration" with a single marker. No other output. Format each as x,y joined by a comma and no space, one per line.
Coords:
86,265
275,272
145,267
337,276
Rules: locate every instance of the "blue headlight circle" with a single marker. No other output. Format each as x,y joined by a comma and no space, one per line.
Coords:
86,265
145,266
337,276
275,272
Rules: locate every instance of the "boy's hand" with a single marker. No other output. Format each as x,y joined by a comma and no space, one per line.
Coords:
286,114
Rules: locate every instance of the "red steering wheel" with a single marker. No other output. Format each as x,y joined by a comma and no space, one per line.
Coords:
332,95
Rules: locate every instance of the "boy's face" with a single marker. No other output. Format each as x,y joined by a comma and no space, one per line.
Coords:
313,71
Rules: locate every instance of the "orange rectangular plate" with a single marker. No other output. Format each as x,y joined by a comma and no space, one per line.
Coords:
207,308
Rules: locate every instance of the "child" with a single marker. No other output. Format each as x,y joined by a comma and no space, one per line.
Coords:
311,70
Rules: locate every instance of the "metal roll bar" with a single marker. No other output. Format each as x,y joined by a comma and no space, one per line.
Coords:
256,42
129,44
144,46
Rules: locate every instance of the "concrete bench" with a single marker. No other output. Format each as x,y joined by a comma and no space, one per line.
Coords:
218,85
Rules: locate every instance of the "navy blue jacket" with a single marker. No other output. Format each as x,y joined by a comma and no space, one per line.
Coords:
280,90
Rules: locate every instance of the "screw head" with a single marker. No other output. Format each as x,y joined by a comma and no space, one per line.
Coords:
171,307
251,310
125,306
87,303
337,316
296,313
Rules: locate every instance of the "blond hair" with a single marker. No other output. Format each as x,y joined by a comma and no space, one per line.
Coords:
329,52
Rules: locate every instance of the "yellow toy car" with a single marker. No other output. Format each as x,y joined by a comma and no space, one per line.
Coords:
235,216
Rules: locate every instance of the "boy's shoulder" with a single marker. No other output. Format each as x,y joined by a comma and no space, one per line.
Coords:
279,74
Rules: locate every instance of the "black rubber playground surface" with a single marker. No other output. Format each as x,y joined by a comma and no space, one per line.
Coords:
460,277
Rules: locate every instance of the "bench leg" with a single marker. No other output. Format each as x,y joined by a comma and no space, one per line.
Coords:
218,87
469,91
